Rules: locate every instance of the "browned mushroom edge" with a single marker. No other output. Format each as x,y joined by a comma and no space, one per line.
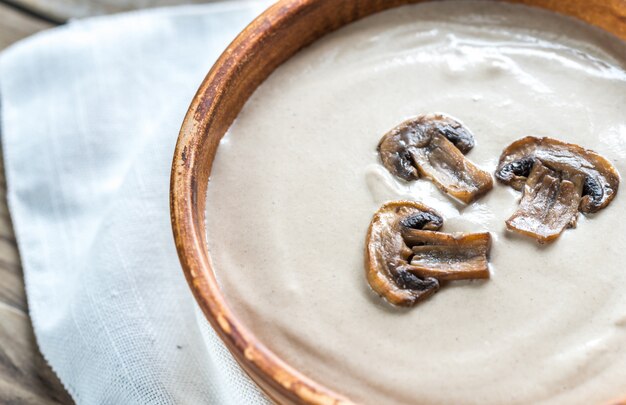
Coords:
433,146
558,180
406,256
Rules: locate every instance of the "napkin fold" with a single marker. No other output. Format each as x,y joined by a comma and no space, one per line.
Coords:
89,116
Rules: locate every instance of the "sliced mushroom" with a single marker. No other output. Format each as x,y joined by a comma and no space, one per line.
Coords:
448,257
406,256
549,204
432,146
558,180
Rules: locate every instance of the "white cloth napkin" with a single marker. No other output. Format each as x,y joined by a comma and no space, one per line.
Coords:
90,114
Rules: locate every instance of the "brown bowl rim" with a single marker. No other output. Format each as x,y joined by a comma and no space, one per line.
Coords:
229,83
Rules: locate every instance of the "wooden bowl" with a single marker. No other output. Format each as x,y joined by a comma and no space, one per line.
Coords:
268,41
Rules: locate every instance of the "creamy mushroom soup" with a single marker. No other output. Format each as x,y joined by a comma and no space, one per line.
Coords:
297,180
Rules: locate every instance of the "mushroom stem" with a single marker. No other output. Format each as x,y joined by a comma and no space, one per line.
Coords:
451,171
549,204
445,257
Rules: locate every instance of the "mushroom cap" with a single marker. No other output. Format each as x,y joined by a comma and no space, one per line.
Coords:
386,254
433,146
416,133
601,179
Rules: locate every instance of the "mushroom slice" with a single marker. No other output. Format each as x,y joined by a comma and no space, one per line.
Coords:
558,180
601,179
406,256
549,204
432,146
448,257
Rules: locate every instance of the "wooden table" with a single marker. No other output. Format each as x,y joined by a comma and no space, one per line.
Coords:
25,377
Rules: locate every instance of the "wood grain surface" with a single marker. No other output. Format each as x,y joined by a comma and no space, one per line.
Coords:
25,377
62,10
15,25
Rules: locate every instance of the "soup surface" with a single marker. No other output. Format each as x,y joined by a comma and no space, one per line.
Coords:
297,179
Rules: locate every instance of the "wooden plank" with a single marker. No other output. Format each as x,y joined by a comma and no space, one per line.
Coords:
62,10
25,377
15,25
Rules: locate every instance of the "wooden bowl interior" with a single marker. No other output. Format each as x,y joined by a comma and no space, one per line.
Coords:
271,39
